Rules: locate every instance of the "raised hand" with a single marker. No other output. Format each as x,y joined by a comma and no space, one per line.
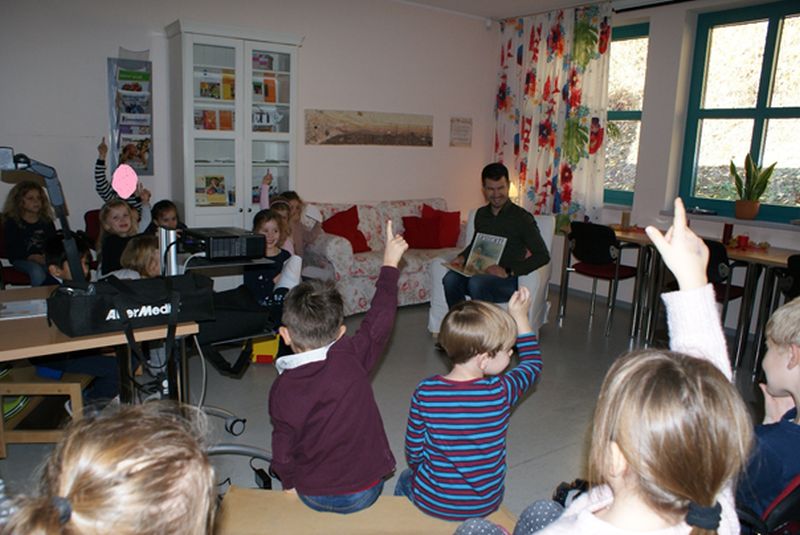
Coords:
518,306
102,149
683,251
395,247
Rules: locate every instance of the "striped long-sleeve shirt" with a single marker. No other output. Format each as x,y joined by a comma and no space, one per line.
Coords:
456,437
107,193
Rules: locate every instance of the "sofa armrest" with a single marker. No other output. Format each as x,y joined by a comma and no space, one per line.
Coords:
334,249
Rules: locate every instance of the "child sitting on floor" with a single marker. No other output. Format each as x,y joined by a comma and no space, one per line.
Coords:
117,226
328,440
139,469
457,424
28,224
775,460
670,431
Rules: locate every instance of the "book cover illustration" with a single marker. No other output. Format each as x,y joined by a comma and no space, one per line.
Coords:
228,85
210,191
131,114
270,91
487,249
225,120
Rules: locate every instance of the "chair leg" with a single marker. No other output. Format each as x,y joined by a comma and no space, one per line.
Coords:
594,298
562,300
612,301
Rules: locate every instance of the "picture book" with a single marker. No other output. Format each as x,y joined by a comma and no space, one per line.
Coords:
486,251
209,119
228,86
215,190
225,120
270,92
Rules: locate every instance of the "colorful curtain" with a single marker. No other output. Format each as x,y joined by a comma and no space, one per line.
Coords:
551,108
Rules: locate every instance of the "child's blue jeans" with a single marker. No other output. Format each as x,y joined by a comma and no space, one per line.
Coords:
343,503
403,485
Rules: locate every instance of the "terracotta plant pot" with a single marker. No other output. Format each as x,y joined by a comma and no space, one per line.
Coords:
746,209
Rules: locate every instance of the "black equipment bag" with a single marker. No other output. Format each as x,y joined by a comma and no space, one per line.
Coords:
112,304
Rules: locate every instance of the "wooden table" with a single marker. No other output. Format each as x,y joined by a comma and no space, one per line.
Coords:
22,338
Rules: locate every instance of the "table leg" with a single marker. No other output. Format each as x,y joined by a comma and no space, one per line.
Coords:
648,328
636,313
126,386
742,330
562,292
764,312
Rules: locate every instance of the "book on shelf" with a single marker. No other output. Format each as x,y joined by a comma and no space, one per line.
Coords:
487,249
228,86
225,120
210,190
270,91
209,119
263,61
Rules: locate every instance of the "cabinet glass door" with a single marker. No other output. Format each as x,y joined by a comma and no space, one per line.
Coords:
271,91
214,172
270,160
214,87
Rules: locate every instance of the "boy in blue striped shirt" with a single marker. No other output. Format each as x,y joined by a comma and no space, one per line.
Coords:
457,424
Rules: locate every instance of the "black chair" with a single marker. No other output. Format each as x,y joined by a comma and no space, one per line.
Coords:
719,271
599,256
781,517
789,278
8,274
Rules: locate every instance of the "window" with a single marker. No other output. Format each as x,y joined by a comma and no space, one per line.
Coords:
744,98
626,72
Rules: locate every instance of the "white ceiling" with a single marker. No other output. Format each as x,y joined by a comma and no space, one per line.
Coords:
497,9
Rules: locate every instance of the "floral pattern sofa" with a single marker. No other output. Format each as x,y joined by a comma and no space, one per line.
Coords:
355,274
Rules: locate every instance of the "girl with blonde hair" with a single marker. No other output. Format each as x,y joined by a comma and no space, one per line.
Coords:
140,469
118,224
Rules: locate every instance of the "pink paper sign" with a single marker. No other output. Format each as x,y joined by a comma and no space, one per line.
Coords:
124,181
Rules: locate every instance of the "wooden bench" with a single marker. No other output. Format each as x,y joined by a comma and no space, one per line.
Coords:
254,511
23,381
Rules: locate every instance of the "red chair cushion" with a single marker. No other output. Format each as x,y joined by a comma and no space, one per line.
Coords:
421,233
604,271
449,225
345,224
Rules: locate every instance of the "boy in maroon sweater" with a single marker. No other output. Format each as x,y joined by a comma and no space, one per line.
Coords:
328,441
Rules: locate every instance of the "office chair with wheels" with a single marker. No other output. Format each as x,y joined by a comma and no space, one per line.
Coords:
781,517
598,255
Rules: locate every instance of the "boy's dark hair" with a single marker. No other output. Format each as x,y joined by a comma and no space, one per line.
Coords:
54,252
313,311
162,206
494,171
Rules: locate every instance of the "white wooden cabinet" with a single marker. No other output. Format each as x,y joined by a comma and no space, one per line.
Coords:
234,119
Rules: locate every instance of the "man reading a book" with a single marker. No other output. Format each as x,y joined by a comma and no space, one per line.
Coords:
524,249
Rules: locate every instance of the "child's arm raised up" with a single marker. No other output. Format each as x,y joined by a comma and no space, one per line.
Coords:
520,379
694,323
395,247
518,306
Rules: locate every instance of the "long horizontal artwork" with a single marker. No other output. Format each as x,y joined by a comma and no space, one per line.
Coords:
335,127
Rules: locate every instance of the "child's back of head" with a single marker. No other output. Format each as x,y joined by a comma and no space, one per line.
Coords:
313,313
139,470
474,327
141,255
680,425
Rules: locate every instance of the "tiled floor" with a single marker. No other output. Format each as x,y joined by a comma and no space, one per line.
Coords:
548,429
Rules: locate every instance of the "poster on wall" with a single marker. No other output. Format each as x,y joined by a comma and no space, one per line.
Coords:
130,101
460,132
335,127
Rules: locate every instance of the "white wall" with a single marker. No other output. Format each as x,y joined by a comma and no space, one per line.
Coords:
357,54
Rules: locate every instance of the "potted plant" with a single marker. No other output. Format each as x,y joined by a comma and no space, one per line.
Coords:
755,183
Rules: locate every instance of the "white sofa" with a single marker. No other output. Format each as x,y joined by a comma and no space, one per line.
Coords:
537,281
355,274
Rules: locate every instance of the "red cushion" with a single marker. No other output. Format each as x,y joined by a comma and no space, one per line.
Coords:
421,233
449,224
345,224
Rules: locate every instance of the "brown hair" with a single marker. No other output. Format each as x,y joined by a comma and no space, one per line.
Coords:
106,209
140,469
313,312
264,216
13,206
680,424
783,327
474,327
138,253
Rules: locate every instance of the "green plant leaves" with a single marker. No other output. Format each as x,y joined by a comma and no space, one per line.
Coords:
756,180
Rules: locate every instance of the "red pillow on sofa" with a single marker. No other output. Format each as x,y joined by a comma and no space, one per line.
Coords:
421,233
345,224
449,224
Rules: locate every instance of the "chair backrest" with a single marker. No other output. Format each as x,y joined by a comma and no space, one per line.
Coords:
545,222
593,243
92,221
785,507
790,282
3,252
718,269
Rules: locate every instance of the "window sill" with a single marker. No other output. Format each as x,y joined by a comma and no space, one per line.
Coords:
792,227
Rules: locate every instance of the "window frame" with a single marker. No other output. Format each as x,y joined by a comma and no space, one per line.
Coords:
623,33
760,114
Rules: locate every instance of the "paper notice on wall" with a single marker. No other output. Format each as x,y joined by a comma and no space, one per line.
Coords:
460,132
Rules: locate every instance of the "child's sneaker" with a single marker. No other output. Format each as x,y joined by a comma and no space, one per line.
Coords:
12,406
